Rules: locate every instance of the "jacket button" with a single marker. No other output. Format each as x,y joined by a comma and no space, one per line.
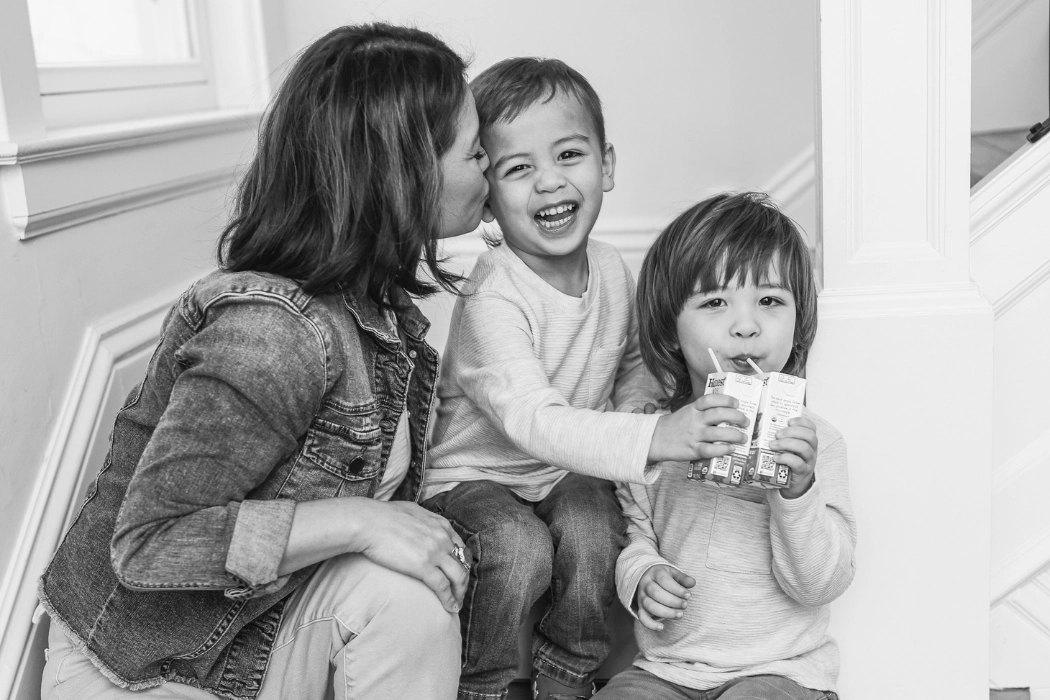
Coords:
412,354
356,465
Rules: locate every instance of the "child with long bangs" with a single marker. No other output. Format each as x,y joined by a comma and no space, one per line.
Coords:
542,340
731,586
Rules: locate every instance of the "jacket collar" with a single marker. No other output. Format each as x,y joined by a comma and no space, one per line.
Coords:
368,316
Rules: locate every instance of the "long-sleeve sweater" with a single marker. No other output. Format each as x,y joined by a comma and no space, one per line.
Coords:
528,373
766,569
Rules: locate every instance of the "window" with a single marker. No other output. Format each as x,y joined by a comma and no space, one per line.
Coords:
111,60
113,105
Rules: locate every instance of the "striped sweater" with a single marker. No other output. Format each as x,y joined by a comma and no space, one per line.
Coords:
528,373
766,569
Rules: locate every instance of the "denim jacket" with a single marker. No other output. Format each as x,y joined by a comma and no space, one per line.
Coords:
257,396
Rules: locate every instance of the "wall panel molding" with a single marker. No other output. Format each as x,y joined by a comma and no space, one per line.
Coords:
92,209
936,134
107,343
900,302
77,175
112,137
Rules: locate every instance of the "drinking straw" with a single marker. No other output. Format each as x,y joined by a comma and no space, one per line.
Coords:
754,366
714,359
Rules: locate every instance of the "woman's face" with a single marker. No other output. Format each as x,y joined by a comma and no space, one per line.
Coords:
463,174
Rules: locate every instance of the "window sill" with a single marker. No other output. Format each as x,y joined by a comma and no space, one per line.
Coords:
72,176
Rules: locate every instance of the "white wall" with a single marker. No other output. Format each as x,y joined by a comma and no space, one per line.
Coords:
700,95
1011,60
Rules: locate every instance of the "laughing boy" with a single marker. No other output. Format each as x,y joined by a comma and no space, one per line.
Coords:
543,339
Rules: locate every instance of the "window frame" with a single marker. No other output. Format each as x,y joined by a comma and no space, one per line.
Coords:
67,158
75,95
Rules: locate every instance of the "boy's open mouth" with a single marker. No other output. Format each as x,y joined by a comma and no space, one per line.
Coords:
556,217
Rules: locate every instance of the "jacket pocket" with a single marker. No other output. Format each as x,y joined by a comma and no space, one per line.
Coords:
347,445
739,541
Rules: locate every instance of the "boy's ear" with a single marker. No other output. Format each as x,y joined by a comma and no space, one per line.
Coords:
608,167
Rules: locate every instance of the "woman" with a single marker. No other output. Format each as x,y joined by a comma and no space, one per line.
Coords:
253,532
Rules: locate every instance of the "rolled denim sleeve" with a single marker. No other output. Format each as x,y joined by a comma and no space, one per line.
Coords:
252,379
260,535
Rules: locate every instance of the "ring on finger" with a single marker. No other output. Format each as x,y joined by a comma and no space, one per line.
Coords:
461,556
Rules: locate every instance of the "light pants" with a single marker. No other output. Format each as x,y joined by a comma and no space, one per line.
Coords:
355,631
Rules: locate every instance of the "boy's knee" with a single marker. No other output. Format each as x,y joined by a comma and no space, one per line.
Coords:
594,531
518,547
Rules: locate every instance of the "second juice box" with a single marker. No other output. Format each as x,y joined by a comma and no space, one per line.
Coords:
730,469
781,401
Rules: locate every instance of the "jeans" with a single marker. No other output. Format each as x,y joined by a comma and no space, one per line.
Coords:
568,542
637,683
355,630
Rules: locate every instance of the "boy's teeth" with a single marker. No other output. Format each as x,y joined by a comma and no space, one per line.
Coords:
560,209
554,217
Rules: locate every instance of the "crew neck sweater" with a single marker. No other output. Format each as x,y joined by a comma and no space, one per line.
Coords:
766,569
528,374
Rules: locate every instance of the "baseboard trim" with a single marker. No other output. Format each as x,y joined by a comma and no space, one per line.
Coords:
51,503
1019,569
1037,452
1022,289
1006,189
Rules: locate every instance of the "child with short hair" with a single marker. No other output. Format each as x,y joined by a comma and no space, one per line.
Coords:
543,338
731,585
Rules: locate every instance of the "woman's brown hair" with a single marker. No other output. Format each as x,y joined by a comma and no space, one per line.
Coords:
344,188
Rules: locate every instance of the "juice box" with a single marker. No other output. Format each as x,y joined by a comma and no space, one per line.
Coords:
729,470
782,398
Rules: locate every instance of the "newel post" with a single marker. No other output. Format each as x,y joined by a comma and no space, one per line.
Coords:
902,363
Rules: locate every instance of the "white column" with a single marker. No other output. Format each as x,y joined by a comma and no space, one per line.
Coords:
902,363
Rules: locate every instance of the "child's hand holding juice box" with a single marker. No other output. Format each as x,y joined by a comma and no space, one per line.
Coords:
782,399
729,470
769,400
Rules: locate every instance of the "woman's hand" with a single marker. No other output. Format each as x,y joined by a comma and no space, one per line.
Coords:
399,535
797,445
663,592
410,539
